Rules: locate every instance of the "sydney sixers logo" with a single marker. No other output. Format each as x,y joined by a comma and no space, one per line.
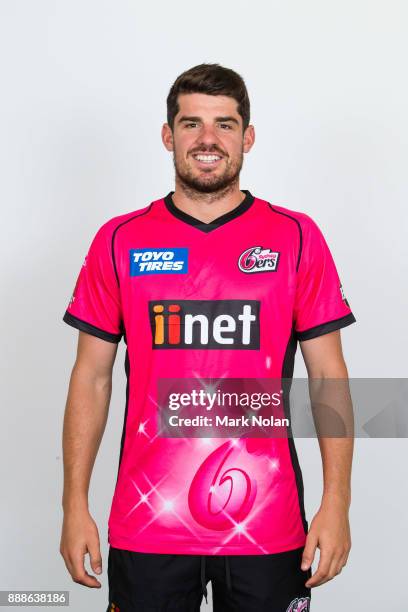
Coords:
300,604
222,495
258,259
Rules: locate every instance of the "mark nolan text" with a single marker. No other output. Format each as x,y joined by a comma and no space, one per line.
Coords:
225,421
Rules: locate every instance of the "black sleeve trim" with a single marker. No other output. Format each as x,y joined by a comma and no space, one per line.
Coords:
90,329
325,328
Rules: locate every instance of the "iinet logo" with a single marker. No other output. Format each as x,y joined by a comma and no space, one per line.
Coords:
205,324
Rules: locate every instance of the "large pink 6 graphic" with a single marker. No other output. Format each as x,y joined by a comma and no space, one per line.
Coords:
221,496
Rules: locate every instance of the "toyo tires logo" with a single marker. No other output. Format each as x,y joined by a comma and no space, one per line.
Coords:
158,261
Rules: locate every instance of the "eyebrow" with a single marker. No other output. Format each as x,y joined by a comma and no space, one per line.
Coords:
218,119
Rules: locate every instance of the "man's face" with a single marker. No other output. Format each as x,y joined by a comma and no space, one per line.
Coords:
207,142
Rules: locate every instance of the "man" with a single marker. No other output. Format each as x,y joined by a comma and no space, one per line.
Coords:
208,282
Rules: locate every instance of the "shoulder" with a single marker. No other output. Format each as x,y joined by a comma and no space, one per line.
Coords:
302,219
112,225
107,231
306,225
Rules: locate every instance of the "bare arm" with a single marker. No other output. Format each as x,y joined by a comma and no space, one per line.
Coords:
85,419
330,530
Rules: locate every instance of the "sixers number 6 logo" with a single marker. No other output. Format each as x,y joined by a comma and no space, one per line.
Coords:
221,495
258,259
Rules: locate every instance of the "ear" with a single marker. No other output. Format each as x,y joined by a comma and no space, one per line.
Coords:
249,138
167,137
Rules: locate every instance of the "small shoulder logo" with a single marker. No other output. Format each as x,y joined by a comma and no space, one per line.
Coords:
258,259
300,604
114,608
158,261
343,296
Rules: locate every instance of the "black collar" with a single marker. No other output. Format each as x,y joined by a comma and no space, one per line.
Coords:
208,227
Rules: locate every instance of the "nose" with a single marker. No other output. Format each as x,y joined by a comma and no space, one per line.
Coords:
208,136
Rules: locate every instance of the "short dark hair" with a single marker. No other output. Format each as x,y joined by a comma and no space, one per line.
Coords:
211,79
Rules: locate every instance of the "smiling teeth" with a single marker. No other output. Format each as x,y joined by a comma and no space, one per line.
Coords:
207,158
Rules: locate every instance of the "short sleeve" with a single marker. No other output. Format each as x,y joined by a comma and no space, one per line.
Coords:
320,304
95,305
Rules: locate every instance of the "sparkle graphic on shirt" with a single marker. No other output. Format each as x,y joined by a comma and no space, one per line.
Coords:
273,464
207,441
159,504
159,430
141,428
144,497
241,528
156,496
167,506
238,530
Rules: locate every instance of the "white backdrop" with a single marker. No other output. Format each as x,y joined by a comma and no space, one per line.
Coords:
83,88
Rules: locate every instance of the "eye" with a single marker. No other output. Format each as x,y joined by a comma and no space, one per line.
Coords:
191,124
225,126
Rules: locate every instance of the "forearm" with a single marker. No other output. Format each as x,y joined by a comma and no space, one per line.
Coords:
337,456
334,421
84,423
333,417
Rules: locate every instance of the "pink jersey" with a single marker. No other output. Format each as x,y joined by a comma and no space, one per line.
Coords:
255,281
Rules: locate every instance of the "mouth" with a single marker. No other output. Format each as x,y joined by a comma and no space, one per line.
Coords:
207,159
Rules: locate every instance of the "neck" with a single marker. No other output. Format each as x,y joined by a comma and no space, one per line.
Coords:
207,206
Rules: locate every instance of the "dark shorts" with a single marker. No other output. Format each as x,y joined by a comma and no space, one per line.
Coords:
150,582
